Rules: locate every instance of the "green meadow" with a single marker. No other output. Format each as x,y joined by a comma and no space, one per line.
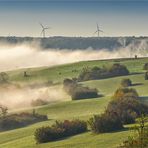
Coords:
80,109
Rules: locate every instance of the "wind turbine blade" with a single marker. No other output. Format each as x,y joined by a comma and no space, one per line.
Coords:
41,25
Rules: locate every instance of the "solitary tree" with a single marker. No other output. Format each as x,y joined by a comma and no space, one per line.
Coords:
3,77
146,75
3,111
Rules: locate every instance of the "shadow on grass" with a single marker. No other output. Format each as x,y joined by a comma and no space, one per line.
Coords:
98,97
136,73
64,138
23,125
137,84
144,98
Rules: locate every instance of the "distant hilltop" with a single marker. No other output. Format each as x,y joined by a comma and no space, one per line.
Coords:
74,43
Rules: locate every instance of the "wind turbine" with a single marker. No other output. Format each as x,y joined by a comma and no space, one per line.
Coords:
98,30
43,30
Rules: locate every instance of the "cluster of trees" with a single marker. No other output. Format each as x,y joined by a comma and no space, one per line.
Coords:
12,121
70,42
126,103
140,139
106,122
124,108
77,91
126,82
122,93
104,72
60,130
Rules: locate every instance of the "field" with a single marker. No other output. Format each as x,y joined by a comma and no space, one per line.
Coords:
82,109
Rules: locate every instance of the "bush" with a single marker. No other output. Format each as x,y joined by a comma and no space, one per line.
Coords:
3,111
128,109
106,122
145,67
46,134
121,93
127,105
146,75
13,121
84,93
69,85
77,91
123,109
117,70
140,140
59,130
71,127
126,82
3,77
101,73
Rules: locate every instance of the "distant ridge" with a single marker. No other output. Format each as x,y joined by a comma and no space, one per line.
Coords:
73,43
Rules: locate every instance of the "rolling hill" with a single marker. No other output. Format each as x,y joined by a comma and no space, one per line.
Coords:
81,109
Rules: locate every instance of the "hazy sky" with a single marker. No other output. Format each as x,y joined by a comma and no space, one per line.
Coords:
73,17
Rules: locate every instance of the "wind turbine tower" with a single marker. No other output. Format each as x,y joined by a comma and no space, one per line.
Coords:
43,30
98,30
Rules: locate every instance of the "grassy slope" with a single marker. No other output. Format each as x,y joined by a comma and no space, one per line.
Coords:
83,109
46,74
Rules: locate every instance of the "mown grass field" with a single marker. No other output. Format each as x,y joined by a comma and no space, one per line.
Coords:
82,109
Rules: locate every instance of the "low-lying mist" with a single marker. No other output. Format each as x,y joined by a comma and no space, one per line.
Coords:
16,97
24,56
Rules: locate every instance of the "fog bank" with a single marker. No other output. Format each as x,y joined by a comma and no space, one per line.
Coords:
15,97
23,56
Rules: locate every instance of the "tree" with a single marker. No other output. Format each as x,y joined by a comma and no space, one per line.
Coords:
3,111
126,82
140,139
3,77
102,73
145,67
146,75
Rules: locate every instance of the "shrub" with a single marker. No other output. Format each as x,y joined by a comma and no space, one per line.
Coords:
145,67
128,109
59,130
13,121
117,70
140,140
104,72
146,75
84,93
123,109
126,82
3,77
106,122
127,105
121,93
69,85
71,127
46,134
77,91
3,111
